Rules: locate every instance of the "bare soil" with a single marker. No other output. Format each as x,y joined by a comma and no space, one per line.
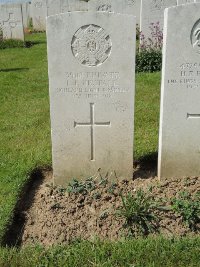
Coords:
50,215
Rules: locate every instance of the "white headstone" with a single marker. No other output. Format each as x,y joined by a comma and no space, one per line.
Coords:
152,12
26,14
117,6
179,144
39,14
91,79
11,21
61,6
183,2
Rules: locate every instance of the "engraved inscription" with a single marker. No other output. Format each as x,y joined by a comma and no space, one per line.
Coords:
159,4
91,45
195,36
38,4
131,2
93,84
92,124
189,76
105,7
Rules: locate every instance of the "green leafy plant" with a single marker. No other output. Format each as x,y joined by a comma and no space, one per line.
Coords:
188,208
148,61
112,188
149,52
138,211
81,187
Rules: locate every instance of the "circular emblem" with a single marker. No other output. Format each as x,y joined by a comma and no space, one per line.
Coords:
131,2
195,36
91,45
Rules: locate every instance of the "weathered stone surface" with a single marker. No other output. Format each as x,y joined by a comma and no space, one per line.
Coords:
39,14
91,79
182,2
179,144
61,6
11,23
117,6
152,11
26,14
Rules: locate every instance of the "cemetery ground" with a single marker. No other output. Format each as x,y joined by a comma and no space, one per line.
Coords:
26,158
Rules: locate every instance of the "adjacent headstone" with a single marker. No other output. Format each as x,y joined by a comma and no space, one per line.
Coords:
26,14
91,79
179,144
11,23
39,14
117,6
152,12
61,6
183,2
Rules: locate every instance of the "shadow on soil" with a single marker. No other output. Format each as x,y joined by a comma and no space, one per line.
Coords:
15,230
146,166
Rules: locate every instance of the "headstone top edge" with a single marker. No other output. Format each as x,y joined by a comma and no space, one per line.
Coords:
183,5
88,13
10,5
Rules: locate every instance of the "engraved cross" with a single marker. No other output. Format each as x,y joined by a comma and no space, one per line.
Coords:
92,124
193,116
11,22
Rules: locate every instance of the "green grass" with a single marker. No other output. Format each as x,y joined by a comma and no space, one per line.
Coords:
25,144
24,120
148,252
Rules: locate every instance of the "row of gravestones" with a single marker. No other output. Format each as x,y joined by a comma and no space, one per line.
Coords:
146,11
15,17
91,65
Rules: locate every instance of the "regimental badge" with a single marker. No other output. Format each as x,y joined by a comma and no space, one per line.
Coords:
91,45
195,36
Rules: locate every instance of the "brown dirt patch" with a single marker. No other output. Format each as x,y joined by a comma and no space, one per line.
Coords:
49,215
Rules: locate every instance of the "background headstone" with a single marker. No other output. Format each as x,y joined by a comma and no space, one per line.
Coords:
152,11
117,6
39,14
61,6
91,79
11,21
26,13
77,5
179,144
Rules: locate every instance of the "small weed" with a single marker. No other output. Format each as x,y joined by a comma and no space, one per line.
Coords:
104,215
103,181
61,190
80,187
96,195
138,211
112,188
188,208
